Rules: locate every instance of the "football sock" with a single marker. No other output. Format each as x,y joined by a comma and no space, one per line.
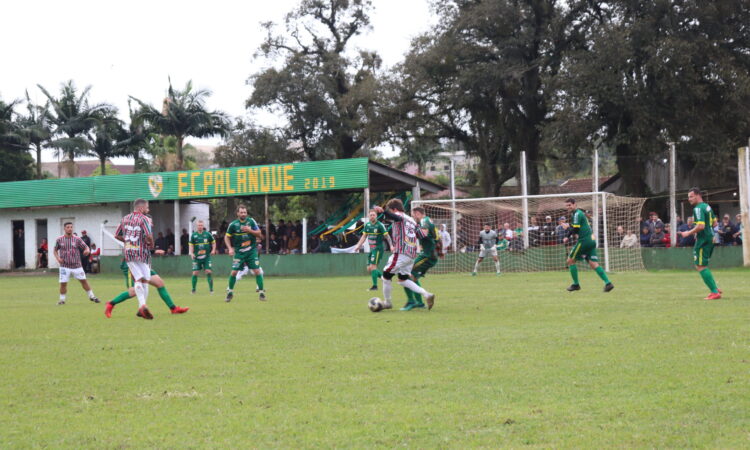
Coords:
62,297
210,280
194,281
413,286
417,297
140,292
708,278
574,273
409,296
476,267
127,281
387,287
375,275
232,280
259,280
164,294
120,298
497,266
602,274
91,293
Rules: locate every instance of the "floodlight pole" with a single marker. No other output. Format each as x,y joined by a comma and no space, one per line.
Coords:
265,201
101,236
304,235
525,201
743,162
595,202
454,219
366,201
177,243
672,195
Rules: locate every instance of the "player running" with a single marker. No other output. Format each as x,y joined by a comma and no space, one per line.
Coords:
154,281
67,252
202,245
242,241
374,232
584,249
427,259
405,234
488,246
704,219
135,232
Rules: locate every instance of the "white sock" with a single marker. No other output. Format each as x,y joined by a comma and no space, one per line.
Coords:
476,267
387,287
91,293
62,297
497,266
145,292
140,293
408,284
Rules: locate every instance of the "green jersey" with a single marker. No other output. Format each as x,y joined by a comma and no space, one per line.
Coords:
703,214
581,224
202,244
432,237
375,233
242,241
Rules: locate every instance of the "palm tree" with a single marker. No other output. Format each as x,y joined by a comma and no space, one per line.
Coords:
72,118
184,114
16,162
109,139
36,130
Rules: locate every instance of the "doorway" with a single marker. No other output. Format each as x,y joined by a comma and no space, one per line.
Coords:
19,244
42,244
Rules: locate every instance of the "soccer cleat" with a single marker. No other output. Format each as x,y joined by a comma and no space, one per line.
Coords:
94,299
430,299
419,305
373,288
144,312
498,274
387,304
230,296
473,274
61,303
713,296
574,287
408,306
179,310
193,292
210,292
608,287
108,310
262,296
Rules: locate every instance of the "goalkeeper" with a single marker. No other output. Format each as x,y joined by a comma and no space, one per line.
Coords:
487,242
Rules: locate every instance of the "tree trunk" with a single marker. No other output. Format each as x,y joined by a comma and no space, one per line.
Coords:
38,161
180,164
103,165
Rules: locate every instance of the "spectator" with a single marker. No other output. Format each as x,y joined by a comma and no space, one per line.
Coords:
273,244
445,239
738,234
298,228
170,238
618,237
295,243
657,237
653,222
325,244
94,258
630,240
534,232
184,242
161,242
170,250
548,232
690,240
679,221
220,245
726,231
645,236
313,242
42,255
667,237
516,241
84,260
561,231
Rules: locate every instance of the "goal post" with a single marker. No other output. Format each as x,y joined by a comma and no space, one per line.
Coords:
541,245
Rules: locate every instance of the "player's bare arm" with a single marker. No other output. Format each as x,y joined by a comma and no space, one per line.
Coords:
361,241
696,229
213,247
57,256
190,250
228,242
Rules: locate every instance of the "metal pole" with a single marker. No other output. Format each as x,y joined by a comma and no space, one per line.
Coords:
366,201
606,234
266,216
524,201
744,182
304,235
101,237
177,244
595,197
672,195
454,218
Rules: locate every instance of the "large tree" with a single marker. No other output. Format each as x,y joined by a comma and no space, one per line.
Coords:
36,129
16,161
109,139
324,89
183,114
72,117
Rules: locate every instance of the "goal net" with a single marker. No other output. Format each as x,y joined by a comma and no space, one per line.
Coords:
536,240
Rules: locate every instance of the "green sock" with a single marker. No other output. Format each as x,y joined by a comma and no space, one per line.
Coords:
708,278
121,298
375,275
232,280
602,274
418,297
259,281
166,297
574,273
210,282
127,281
194,280
409,296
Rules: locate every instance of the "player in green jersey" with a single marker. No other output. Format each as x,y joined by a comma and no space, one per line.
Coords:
154,281
375,234
427,258
584,248
704,219
242,241
202,245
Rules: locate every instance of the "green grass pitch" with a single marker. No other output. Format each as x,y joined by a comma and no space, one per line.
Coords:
508,361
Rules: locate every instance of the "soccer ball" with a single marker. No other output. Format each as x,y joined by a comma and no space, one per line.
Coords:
375,304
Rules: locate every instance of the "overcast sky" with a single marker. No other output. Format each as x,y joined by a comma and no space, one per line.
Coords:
130,47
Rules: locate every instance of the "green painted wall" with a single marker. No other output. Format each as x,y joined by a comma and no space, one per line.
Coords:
354,265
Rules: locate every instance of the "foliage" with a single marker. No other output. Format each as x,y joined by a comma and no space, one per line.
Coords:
110,170
110,139
16,162
36,130
249,145
326,95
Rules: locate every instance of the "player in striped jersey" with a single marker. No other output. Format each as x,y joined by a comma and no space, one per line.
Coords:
405,234
135,231
67,251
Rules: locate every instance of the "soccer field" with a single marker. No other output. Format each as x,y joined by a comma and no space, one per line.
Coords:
508,361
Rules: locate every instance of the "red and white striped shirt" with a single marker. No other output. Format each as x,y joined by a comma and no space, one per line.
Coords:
405,234
134,229
69,249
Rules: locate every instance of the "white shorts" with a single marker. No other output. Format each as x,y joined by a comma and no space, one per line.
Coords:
399,264
484,252
65,274
139,270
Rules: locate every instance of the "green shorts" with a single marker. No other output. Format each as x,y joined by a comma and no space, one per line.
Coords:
249,258
702,251
584,250
374,257
422,264
202,264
